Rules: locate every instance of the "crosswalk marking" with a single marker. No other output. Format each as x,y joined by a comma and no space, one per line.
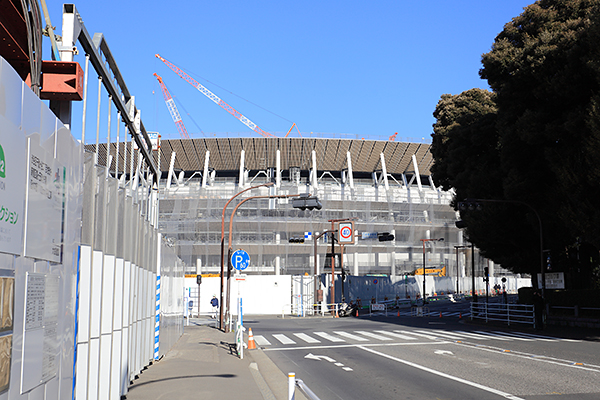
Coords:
351,336
428,336
446,335
283,339
540,337
406,335
504,336
306,338
261,340
327,336
373,335
396,335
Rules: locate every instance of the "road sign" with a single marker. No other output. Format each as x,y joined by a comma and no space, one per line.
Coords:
240,259
346,232
375,281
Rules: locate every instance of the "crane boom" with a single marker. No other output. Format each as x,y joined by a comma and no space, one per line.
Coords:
214,98
172,109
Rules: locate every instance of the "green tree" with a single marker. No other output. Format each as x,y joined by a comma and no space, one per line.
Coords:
544,70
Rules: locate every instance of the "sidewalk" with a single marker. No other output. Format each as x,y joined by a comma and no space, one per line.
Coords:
203,365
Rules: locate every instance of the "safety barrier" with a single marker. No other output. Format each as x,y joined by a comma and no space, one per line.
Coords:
377,307
509,313
293,382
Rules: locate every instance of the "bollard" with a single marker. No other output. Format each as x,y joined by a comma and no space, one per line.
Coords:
291,385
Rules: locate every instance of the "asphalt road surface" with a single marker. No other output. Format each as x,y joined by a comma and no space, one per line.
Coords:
391,357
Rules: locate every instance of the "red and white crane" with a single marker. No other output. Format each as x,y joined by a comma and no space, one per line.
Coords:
215,98
172,108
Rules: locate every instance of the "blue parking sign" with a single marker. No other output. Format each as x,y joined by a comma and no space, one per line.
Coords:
240,260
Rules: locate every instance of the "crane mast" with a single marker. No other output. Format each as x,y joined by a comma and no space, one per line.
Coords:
172,109
214,98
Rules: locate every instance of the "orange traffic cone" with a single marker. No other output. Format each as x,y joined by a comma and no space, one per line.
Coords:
460,315
440,314
398,313
251,344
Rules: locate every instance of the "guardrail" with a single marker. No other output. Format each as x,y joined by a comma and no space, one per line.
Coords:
577,310
509,313
293,383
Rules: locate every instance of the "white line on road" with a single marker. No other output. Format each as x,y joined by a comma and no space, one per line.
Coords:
373,335
397,335
444,375
283,339
351,336
327,336
339,346
306,338
261,340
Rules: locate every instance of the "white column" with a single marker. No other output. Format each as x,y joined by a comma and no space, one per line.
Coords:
384,172
314,183
205,173
242,167
350,174
355,264
417,174
278,169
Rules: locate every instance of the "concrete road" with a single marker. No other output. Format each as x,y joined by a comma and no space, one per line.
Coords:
430,358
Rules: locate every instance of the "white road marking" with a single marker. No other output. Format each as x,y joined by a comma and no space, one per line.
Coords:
444,375
396,335
418,334
347,369
444,352
327,336
549,337
306,338
261,340
445,335
526,336
351,336
474,335
315,357
373,335
504,336
283,339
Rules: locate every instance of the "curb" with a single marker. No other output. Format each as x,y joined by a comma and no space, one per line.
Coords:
266,372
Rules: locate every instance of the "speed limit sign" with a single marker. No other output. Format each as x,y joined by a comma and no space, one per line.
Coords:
346,232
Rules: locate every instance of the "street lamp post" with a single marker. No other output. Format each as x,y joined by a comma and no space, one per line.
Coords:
230,237
424,275
222,280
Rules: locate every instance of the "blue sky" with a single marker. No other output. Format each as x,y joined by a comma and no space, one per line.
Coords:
366,69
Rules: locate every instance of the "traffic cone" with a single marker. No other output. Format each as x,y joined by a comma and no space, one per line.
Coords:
460,315
440,314
357,313
398,313
251,344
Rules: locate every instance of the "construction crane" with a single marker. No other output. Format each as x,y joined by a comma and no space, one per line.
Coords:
214,98
172,109
393,137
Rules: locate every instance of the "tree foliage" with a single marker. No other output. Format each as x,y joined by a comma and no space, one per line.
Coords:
536,136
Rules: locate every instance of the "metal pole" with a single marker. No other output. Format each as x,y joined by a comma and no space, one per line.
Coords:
281,196
424,295
222,297
473,271
332,264
108,137
457,269
98,118
85,91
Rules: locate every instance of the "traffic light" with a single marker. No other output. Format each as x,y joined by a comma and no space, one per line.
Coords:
486,274
296,240
385,237
198,279
306,202
469,205
460,224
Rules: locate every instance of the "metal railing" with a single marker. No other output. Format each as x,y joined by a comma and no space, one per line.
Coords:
509,313
293,383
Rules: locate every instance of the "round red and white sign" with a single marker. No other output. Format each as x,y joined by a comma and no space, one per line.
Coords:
346,232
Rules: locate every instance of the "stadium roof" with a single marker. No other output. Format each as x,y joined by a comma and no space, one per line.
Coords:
295,152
